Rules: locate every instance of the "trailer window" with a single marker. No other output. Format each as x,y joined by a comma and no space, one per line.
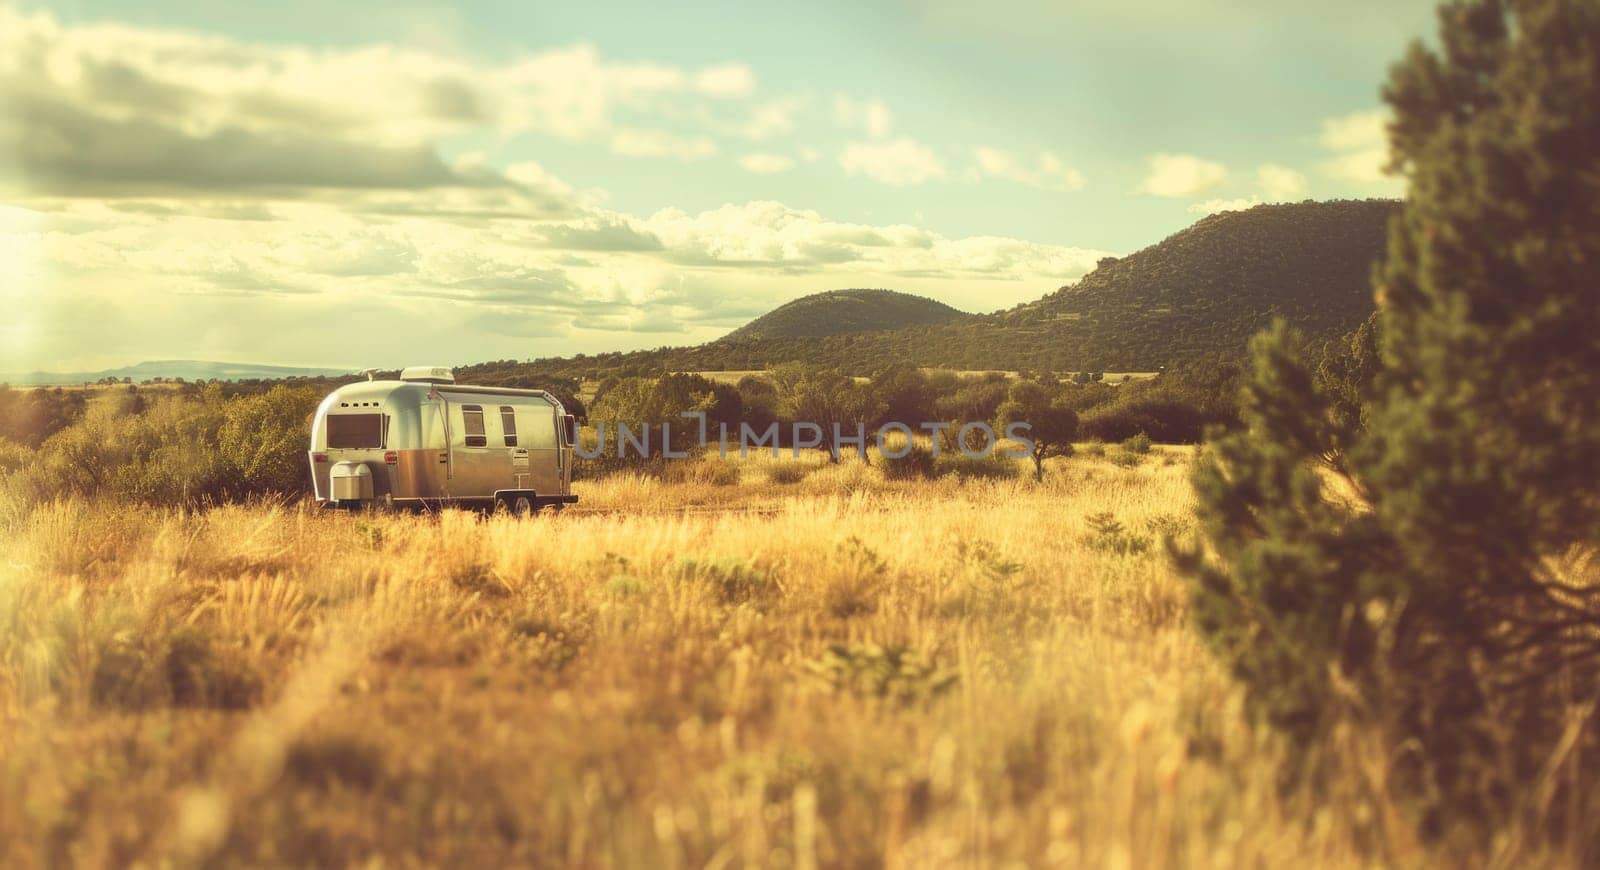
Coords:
472,426
508,425
355,430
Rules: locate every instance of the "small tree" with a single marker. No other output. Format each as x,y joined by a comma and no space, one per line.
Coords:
1053,424
828,399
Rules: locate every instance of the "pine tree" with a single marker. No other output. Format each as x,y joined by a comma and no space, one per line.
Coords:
1439,578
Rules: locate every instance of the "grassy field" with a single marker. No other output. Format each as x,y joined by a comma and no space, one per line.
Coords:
829,671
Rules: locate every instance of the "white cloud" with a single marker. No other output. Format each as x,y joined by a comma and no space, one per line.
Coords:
176,194
773,235
1182,175
1356,131
727,80
1277,183
120,110
1048,171
766,164
599,274
901,161
871,117
1360,145
657,143
772,118
1280,183
1212,206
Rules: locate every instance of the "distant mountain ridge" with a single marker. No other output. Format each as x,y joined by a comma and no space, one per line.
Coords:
1211,286
836,312
1203,290
189,370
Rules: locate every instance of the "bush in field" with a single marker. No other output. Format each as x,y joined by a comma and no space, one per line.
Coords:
709,470
904,395
1439,582
29,417
165,454
970,399
1124,459
787,473
1138,445
13,456
184,667
1174,408
964,467
609,463
263,439
648,408
654,403
759,400
892,673
1107,533
916,463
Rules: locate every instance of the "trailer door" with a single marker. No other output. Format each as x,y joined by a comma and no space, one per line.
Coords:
517,452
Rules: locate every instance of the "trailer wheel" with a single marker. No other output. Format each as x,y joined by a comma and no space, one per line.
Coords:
522,506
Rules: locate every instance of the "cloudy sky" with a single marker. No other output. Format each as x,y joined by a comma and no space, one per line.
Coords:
354,184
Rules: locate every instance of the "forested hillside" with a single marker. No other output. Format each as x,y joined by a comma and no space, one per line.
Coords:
842,311
1204,290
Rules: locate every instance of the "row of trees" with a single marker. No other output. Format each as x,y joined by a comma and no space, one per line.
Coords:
216,441
28,417
163,447
1174,408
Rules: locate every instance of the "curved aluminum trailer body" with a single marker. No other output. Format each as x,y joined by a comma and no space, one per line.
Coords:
412,443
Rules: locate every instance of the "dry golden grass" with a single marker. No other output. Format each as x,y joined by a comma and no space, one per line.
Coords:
834,671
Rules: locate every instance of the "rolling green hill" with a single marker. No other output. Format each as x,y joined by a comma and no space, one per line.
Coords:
836,312
1203,290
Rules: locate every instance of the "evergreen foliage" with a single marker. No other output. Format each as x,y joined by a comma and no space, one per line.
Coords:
841,311
1410,539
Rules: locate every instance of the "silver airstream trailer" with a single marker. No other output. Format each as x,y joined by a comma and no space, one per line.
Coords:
426,441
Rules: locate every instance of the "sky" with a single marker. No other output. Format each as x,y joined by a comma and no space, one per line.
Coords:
401,183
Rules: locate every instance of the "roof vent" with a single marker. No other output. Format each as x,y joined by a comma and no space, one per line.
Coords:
428,374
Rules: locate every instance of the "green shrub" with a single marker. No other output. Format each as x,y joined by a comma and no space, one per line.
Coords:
173,449
189,667
201,672
892,673
787,473
731,581
1138,445
916,464
1124,459
609,463
14,456
964,467
322,761
1108,534
708,470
